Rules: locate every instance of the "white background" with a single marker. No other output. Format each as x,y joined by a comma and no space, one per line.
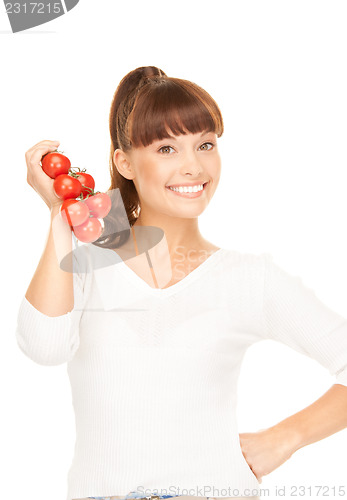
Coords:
278,72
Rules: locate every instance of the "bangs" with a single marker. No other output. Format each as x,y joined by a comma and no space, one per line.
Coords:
167,106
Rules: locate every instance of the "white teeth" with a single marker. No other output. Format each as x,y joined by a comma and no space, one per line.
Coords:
188,189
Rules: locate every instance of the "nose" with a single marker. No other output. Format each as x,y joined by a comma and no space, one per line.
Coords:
190,164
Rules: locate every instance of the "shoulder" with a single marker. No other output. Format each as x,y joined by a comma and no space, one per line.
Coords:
240,258
243,271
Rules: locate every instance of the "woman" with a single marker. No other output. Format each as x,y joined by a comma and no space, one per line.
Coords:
155,320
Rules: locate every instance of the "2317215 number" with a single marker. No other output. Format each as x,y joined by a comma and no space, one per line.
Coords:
33,7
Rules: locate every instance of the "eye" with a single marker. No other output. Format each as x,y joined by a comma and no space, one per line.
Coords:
165,147
205,143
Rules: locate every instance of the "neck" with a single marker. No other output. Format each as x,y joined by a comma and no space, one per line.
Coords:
181,235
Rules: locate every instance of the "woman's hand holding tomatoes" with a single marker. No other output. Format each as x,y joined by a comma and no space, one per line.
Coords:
84,214
36,177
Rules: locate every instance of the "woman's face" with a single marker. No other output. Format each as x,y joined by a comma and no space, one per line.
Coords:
191,159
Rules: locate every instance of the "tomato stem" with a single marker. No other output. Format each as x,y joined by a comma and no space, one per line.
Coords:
73,172
78,170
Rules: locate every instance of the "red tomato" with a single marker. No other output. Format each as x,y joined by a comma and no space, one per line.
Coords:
88,181
66,187
54,164
74,212
89,231
99,205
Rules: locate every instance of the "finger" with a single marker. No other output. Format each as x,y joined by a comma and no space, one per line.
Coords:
33,162
37,154
41,144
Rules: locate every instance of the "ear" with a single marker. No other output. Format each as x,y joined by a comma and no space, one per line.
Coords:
123,164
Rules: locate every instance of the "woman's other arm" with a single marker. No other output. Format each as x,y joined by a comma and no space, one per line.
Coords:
269,448
296,317
324,417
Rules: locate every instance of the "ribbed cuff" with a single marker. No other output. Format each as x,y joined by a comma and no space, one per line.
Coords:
341,378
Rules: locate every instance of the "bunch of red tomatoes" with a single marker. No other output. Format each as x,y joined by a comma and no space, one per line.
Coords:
84,214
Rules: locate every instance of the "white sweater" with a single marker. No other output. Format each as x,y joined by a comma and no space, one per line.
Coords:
154,372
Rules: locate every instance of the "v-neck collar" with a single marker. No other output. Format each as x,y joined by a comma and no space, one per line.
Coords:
129,274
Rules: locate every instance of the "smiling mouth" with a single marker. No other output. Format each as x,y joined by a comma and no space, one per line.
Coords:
189,194
193,185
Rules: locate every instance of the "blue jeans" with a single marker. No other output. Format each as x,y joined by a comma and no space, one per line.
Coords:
135,494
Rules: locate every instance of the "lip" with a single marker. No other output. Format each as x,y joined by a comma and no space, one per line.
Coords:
188,195
187,184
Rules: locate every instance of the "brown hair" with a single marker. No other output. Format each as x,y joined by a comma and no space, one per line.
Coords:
147,106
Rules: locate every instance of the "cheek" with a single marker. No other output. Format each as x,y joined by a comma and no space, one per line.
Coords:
213,168
218,165
217,173
151,180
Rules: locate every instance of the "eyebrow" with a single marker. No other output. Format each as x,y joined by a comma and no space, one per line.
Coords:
202,133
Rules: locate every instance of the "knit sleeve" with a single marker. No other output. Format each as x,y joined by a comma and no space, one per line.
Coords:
51,340
295,316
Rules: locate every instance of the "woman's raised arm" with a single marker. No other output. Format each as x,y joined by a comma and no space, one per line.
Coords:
49,315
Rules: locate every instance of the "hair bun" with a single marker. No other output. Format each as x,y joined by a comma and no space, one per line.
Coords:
150,73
